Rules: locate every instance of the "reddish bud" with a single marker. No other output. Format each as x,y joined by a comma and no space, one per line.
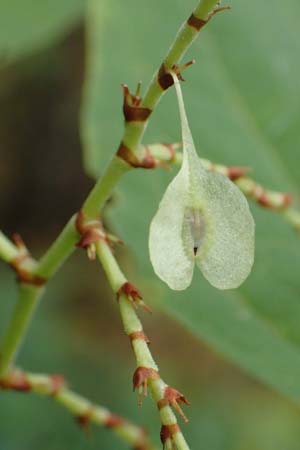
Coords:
138,335
90,236
172,397
57,383
167,432
134,295
263,200
287,199
84,419
16,381
140,380
114,421
132,110
141,447
236,172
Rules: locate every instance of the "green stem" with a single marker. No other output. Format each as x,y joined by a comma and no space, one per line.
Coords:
104,187
59,251
8,251
184,38
65,243
133,134
132,137
18,326
79,406
132,324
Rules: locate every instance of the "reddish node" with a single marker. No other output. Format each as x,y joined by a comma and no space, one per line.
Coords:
91,232
132,110
172,150
236,172
287,199
125,153
84,419
113,421
196,23
172,397
140,380
167,433
141,447
165,79
143,441
23,275
16,381
138,335
133,294
57,383
263,200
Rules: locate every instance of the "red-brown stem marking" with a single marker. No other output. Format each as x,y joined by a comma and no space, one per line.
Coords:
134,295
84,419
198,23
147,162
132,110
172,397
167,432
113,421
138,335
141,377
16,381
23,274
90,231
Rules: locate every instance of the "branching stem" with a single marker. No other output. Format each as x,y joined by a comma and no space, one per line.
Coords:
144,359
83,410
27,301
8,251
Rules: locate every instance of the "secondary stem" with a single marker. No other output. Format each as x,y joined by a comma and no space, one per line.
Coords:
65,243
18,326
132,137
8,251
84,410
133,326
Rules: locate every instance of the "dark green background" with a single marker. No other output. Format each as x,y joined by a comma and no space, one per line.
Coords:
243,102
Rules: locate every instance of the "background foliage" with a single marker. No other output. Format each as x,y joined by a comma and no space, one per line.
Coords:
243,102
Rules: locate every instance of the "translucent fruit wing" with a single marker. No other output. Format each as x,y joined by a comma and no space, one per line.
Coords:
170,255
202,218
227,258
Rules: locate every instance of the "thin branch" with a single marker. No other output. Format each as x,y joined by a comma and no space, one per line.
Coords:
83,410
35,275
133,133
27,301
8,251
146,373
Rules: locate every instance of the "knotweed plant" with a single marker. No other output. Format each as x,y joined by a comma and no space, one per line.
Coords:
203,219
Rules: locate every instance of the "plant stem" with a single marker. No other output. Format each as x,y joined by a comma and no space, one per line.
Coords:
59,251
18,326
133,133
8,251
132,325
65,243
82,409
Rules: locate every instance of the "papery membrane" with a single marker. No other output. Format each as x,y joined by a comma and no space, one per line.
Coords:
171,257
203,218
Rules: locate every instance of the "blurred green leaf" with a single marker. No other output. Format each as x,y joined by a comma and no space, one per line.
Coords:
31,24
243,103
